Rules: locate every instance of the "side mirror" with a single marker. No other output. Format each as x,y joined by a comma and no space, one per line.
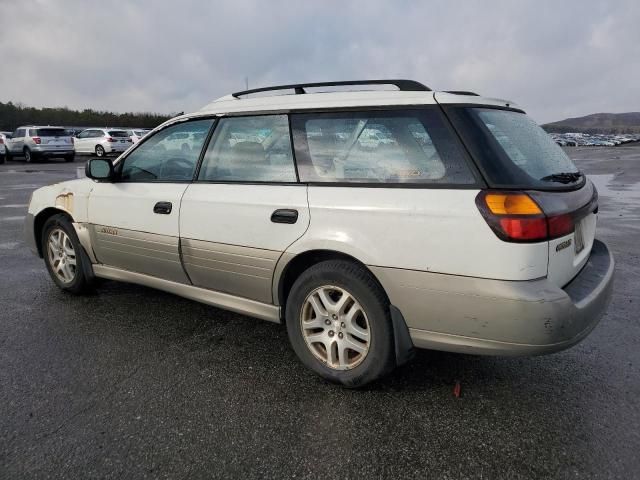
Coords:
100,169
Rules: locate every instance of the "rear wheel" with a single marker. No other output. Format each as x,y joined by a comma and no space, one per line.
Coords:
100,151
339,324
28,156
2,158
63,255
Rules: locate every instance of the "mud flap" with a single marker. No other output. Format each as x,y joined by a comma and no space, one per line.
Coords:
402,340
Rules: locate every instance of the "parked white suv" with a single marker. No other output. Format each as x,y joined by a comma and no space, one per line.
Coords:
468,229
102,141
4,136
33,143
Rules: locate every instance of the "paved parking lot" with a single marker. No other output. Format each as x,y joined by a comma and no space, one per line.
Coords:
136,383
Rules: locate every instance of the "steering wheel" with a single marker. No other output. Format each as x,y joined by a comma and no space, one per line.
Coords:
176,168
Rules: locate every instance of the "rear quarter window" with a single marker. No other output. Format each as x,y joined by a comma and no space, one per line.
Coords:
395,146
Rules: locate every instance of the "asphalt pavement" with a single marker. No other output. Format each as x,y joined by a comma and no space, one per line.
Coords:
136,383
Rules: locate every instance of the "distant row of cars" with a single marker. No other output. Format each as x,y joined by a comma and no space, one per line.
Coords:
593,140
35,142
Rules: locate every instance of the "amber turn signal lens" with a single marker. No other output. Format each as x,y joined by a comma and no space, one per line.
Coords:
511,204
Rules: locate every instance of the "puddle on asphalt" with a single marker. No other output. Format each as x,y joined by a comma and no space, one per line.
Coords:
624,193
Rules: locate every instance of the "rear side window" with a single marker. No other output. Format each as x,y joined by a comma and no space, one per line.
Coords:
50,132
512,150
399,146
250,149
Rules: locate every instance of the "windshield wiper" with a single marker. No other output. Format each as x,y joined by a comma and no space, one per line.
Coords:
563,177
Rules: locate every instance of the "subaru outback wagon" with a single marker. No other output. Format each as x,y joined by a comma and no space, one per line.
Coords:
369,222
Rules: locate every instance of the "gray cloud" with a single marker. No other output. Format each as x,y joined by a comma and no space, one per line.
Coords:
557,59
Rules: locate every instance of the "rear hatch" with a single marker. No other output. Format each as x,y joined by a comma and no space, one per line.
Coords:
119,139
519,160
53,138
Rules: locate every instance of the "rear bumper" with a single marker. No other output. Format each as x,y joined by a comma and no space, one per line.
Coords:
43,152
492,317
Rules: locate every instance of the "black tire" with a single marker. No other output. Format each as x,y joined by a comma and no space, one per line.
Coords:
69,158
362,286
100,151
2,159
82,281
28,156
7,154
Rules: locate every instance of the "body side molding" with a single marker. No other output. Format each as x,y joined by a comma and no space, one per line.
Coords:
236,304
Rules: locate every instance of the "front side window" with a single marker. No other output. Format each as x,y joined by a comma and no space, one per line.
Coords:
396,146
169,155
250,149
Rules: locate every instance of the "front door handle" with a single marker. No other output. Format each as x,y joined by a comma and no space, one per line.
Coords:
163,208
284,215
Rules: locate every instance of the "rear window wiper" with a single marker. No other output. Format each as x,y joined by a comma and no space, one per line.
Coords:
563,177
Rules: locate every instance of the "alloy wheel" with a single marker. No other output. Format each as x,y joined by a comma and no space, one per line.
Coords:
62,255
335,327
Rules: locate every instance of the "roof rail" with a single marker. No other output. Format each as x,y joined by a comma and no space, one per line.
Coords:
299,88
462,92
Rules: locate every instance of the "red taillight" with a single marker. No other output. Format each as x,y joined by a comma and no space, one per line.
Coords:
129,140
36,140
524,228
110,139
1,141
516,217
71,140
560,225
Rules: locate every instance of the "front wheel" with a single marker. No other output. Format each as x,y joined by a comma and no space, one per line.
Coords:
100,151
63,255
339,324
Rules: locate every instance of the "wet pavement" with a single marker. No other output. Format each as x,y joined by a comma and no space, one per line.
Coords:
135,383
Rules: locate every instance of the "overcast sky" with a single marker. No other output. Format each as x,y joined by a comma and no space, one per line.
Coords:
555,58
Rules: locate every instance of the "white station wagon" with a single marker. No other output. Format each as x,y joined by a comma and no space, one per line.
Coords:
463,227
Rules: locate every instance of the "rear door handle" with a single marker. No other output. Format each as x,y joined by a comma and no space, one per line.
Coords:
163,208
284,215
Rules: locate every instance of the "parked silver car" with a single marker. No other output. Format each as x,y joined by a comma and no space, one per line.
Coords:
33,142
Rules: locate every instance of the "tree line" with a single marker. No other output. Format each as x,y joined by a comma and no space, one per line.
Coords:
14,115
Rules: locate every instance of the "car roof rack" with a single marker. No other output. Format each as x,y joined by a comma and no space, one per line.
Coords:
299,88
462,92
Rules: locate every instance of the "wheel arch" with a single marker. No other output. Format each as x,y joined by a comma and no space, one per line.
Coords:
292,267
39,221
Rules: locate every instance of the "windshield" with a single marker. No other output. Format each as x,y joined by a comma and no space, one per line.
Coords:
51,132
514,151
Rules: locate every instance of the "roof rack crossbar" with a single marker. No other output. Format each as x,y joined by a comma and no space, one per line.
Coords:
299,88
462,92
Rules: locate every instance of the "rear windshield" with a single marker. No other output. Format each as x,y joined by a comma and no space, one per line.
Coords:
51,132
513,150
118,133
